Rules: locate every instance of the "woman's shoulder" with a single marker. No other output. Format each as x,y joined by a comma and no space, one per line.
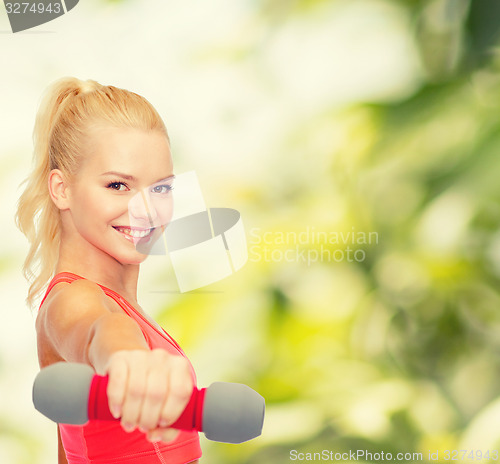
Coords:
75,293
68,301
66,304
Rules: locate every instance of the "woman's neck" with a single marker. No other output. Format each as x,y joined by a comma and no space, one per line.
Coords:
124,285
100,268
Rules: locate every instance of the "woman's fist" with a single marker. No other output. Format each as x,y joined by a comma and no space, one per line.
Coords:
149,390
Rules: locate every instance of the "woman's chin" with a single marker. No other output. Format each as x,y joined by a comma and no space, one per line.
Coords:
133,257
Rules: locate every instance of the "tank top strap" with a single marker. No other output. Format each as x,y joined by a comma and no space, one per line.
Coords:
58,278
123,303
69,277
140,319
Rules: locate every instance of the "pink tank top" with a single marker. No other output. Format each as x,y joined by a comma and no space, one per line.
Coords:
100,442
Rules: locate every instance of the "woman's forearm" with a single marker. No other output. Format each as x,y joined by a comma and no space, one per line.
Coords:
112,333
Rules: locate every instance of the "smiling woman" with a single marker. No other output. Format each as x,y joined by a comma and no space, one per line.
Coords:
101,185
99,205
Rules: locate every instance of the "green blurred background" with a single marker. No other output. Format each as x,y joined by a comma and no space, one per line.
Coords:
361,135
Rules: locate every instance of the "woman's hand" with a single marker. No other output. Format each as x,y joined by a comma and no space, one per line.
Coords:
149,389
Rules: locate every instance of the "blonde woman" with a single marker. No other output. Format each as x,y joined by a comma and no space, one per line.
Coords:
96,148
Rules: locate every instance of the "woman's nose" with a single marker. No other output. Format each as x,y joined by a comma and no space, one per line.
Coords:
142,209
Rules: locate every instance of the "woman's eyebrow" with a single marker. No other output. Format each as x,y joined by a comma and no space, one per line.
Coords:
119,174
132,178
165,178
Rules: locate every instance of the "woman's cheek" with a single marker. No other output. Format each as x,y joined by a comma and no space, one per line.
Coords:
164,210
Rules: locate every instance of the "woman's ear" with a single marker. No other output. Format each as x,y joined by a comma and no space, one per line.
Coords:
58,189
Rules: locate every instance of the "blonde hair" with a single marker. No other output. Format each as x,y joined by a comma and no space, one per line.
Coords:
69,109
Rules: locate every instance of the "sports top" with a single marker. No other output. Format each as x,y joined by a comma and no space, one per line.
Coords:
100,442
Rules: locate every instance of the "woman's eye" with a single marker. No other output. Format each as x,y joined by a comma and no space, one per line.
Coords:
165,188
117,186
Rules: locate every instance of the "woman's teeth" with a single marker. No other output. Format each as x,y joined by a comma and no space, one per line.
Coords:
134,233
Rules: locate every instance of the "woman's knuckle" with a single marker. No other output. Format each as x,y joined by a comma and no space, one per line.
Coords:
113,396
184,390
114,390
180,365
167,417
147,424
135,392
161,356
181,361
116,377
156,396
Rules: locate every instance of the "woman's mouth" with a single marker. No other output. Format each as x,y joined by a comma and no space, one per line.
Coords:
134,235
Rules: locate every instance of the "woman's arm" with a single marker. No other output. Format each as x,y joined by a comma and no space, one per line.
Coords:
147,388
82,326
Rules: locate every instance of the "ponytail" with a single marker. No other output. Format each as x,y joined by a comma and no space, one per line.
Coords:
66,112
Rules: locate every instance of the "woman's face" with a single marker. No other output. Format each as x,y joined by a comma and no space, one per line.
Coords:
120,200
